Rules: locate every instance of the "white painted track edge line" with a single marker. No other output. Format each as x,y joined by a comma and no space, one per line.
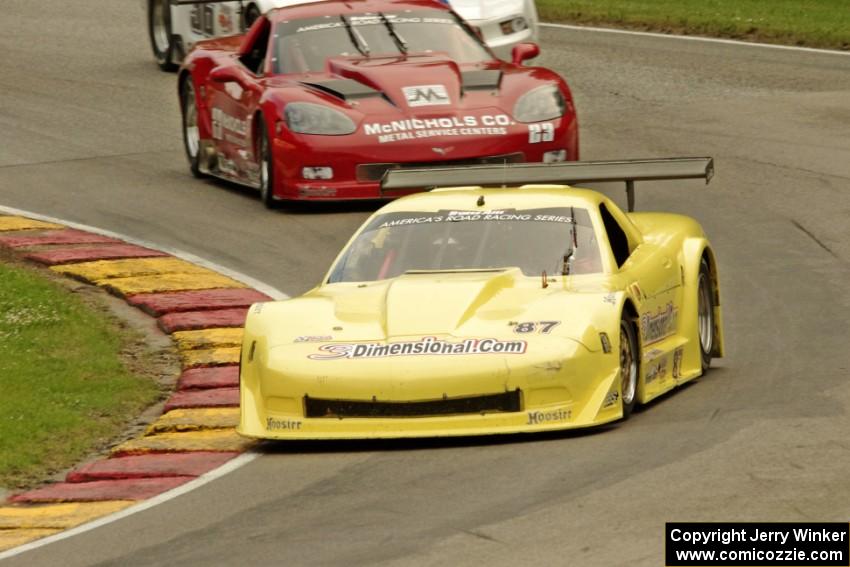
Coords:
695,38
189,257
228,467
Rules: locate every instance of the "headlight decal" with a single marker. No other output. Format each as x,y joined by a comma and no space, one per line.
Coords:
309,118
543,103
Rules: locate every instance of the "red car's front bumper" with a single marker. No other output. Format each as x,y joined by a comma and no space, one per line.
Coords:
360,159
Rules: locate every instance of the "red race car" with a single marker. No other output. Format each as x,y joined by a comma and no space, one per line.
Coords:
317,101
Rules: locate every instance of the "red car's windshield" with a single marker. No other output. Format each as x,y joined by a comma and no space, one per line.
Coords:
303,46
534,240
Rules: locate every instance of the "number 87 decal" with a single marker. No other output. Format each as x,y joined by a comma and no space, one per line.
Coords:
543,327
543,132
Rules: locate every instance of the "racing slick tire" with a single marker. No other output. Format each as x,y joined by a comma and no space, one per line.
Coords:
629,369
191,131
267,176
705,314
159,31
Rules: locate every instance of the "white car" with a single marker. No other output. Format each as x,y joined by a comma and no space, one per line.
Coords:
175,25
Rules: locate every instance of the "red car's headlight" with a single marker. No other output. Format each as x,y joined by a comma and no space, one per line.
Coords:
308,118
543,103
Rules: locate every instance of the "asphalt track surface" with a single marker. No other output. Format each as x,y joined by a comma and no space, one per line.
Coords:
89,132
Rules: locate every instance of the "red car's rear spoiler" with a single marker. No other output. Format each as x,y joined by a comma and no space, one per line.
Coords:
566,173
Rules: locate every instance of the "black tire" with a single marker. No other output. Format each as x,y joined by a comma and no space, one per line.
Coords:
159,32
705,314
251,15
191,134
629,365
266,162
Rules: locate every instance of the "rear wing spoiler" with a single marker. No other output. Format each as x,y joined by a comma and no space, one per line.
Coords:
565,173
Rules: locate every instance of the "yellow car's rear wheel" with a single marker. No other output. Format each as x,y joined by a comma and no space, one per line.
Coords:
705,314
629,355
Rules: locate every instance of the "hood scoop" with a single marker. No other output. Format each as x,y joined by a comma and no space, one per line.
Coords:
481,80
440,302
345,89
415,81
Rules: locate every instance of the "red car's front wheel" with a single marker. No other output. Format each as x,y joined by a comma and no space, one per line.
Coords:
266,160
191,130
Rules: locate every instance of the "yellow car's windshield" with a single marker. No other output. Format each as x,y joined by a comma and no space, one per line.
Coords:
534,240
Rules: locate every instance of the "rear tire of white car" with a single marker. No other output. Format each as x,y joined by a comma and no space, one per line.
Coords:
191,130
266,162
629,365
159,31
705,314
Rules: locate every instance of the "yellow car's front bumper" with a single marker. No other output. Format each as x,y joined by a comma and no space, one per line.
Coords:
526,421
279,402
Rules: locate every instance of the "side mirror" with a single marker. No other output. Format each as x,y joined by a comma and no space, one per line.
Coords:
524,51
225,74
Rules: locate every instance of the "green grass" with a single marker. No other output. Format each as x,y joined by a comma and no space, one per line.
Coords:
64,391
813,23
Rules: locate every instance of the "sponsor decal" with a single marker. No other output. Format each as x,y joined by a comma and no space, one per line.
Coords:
258,307
442,151
202,19
273,424
375,21
427,346
677,362
419,128
657,326
313,338
611,399
314,191
426,95
541,132
652,354
223,122
542,417
472,216
610,298
544,327
657,371
225,19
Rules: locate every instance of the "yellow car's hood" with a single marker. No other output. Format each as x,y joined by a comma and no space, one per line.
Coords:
483,303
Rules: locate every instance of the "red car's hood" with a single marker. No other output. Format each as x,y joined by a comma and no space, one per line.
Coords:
416,83
391,76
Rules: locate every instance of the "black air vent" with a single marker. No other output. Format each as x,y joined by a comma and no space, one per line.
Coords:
507,402
473,80
346,89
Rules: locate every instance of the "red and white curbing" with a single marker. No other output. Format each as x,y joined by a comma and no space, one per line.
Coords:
203,309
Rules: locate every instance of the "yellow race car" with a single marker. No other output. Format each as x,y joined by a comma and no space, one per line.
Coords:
501,301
